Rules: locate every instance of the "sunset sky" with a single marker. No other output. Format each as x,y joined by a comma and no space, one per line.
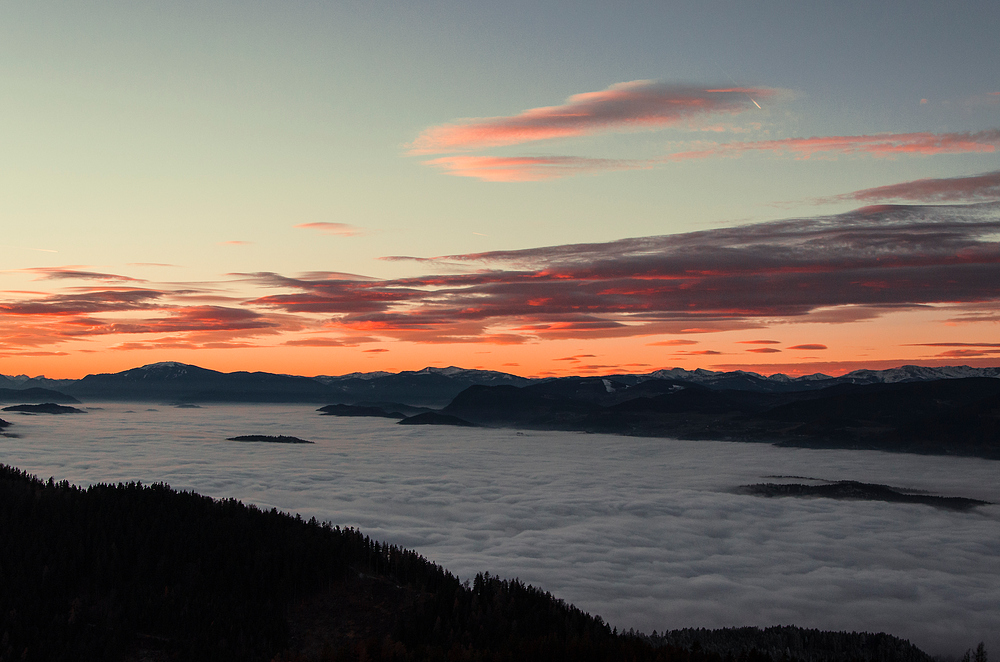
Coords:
542,188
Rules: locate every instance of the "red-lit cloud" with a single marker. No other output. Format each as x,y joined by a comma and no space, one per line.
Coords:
34,319
830,269
329,342
529,168
764,350
882,144
964,349
339,229
631,106
866,262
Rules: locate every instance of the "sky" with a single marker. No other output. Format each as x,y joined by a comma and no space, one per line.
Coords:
543,188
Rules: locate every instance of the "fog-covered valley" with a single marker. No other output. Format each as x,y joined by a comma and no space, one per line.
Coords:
648,533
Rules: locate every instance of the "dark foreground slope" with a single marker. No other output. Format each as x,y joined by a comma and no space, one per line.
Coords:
133,572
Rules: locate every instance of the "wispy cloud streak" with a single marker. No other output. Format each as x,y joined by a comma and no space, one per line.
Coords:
882,145
971,188
339,229
873,259
529,168
630,106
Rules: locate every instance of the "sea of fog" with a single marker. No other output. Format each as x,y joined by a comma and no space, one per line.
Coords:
647,533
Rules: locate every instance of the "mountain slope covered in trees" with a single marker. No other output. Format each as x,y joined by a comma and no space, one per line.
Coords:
133,572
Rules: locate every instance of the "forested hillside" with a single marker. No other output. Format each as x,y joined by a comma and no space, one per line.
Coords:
143,572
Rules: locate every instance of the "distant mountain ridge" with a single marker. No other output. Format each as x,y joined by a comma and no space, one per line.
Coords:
432,387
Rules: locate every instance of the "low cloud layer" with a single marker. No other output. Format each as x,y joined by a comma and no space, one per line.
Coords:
874,259
829,269
648,533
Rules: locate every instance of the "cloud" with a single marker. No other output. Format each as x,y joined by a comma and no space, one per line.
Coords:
576,358
636,105
881,145
971,188
759,342
809,346
953,344
827,269
96,301
35,320
235,243
180,343
374,351
965,349
329,342
764,350
71,273
831,268
966,353
671,343
339,229
529,168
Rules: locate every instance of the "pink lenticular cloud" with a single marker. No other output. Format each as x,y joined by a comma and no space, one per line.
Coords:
339,229
636,105
528,168
882,144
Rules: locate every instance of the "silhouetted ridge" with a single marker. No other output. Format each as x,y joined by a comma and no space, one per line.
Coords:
435,418
949,416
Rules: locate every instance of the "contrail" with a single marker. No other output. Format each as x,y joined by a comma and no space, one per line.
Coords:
724,73
24,248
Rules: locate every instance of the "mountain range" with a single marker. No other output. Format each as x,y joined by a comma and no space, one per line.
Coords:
430,387
951,410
